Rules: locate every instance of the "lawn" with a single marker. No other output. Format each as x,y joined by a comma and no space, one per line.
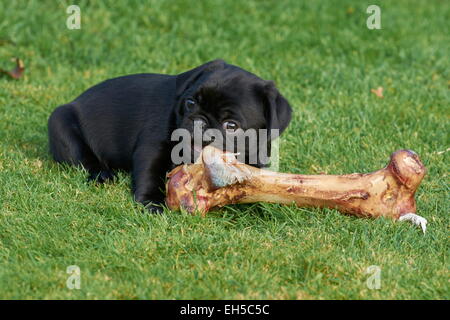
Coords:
325,61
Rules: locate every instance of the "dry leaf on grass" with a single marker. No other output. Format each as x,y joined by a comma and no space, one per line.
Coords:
378,92
444,151
17,72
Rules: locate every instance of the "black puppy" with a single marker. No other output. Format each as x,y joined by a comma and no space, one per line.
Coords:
126,123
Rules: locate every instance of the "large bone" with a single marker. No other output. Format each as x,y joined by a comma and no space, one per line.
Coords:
218,179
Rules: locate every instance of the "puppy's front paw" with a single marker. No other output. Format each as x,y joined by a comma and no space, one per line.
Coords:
101,177
154,208
152,204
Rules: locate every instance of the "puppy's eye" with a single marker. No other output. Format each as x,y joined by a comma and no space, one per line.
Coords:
230,126
189,104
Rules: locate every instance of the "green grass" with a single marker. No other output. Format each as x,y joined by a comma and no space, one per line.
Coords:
324,60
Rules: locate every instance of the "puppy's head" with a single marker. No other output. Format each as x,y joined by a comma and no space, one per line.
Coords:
232,109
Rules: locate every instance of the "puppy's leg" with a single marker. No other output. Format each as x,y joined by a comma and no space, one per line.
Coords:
150,164
67,144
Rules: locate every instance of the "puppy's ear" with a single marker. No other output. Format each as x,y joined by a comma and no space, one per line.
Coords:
278,110
189,78
278,115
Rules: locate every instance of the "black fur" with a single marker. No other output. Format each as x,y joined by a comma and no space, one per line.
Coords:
126,123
